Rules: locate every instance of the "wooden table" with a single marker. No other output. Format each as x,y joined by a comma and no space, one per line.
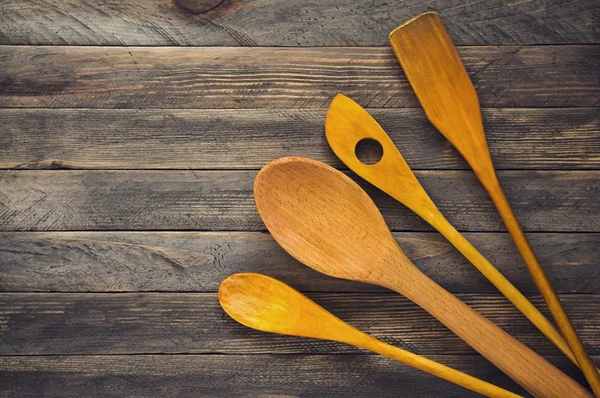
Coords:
131,132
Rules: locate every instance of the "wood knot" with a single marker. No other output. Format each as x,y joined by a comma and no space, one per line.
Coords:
197,6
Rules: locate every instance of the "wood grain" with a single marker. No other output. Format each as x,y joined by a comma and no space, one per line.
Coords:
295,86
199,261
239,375
229,77
560,138
137,323
288,23
197,6
553,201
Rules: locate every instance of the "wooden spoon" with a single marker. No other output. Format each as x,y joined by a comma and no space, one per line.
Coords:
438,77
326,221
263,303
346,124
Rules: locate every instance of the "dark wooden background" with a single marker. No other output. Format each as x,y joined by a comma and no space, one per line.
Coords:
131,131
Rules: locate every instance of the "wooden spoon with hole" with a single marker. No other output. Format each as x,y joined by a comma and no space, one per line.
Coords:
438,77
346,124
263,303
326,221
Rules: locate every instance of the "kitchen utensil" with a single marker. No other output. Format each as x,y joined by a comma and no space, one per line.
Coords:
442,85
263,303
326,221
347,124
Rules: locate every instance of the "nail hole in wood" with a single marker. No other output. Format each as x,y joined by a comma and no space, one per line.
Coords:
368,151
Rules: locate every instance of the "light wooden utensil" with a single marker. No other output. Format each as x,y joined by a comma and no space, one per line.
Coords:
347,124
442,85
263,303
326,221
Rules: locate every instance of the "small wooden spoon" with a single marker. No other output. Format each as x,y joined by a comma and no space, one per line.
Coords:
326,221
346,124
438,77
266,304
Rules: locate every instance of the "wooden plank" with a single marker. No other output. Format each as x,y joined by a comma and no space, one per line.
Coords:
199,261
552,201
229,77
241,375
289,23
142,323
242,139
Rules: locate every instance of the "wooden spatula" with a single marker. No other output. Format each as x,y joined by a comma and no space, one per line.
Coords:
440,81
326,221
264,303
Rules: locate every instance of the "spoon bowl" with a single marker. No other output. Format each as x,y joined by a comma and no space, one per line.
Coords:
263,303
285,201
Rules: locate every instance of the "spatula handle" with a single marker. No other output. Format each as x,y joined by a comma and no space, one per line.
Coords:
521,364
543,283
503,285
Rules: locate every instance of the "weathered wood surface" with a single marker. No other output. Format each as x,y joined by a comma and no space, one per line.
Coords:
289,23
147,242
241,375
561,138
136,323
57,200
213,77
199,261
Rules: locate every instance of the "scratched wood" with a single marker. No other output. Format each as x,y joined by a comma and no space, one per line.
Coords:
230,77
199,261
136,323
58,200
241,375
559,138
133,131
289,23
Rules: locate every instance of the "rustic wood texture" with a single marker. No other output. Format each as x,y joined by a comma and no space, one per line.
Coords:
196,121
560,138
289,23
199,261
119,77
138,323
244,375
559,201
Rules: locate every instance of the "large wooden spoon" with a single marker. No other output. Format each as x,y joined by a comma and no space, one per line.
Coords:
263,303
326,221
438,77
347,124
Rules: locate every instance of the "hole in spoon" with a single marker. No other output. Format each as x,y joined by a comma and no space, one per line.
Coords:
368,151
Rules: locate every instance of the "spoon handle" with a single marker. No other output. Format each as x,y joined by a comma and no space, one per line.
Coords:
434,368
492,185
504,286
269,305
520,363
